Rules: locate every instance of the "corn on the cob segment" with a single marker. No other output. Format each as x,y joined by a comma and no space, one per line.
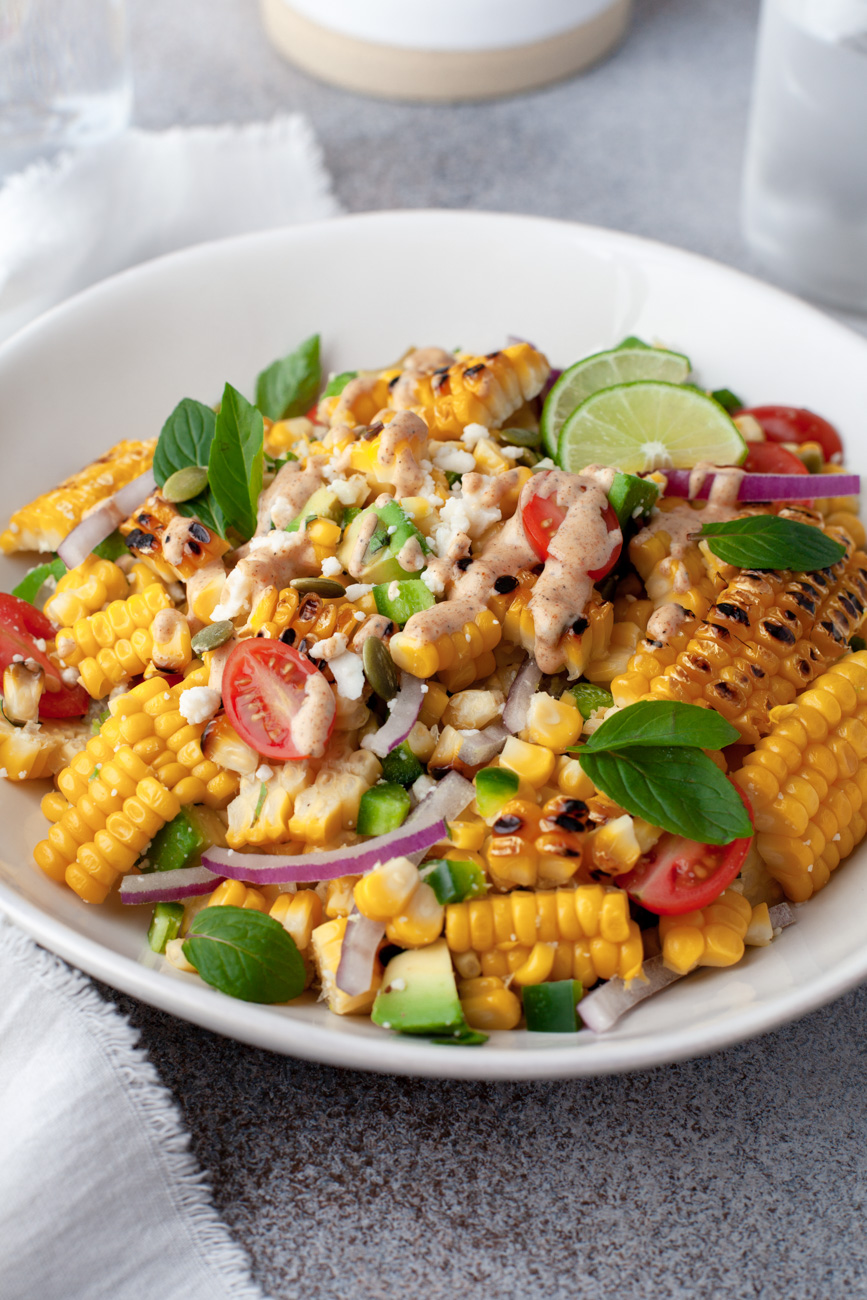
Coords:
807,780
113,645
327,942
395,894
767,637
30,753
487,1004
587,640
712,936
583,934
310,617
85,589
537,845
479,390
672,574
43,524
449,651
193,549
262,810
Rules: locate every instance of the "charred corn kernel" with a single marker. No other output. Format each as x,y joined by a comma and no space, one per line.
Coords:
487,1004
386,889
582,933
587,639
650,660
326,943
479,390
511,853
532,762
711,936
194,546
560,840
85,589
233,894
613,847
418,922
299,914
554,724
799,779
43,524
455,650
313,618
788,626
172,648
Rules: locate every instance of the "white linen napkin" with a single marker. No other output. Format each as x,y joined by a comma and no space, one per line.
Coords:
69,223
98,1193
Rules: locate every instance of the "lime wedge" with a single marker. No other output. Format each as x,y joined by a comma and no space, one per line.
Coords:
649,425
623,365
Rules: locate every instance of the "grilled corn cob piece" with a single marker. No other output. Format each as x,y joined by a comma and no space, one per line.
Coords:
326,942
630,624
43,524
479,390
145,534
232,893
588,639
680,578
532,845
85,589
450,650
650,660
113,645
767,637
309,618
262,810
712,936
807,780
487,1004
583,934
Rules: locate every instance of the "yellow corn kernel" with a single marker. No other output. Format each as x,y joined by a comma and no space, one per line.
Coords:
172,647
711,936
232,893
536,968
384,891
487,1004
299,914
419,921
339,899
532,762
433,704
467,835
555,724
326,943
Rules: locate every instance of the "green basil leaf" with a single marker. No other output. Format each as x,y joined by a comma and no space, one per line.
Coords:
681,790
728,400
663,722
337,383
113,547
768,542
290,386
245,954
236,461
185,439
30,586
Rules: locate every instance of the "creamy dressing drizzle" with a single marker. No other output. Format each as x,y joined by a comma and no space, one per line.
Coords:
665,622
402,444
269,561
726,483
411,556
310,724
292,488
684,519
423,361
354,390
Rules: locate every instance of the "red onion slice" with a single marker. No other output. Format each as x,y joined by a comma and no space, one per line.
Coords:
446,801
168,886
358,951
101,522
523,689
402,717
769,487
479,747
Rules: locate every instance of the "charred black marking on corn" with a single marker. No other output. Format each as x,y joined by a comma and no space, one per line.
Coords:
804,602
580,625
194,547
850,606
756,670
833,632
505,584
464,563
138,540
507,825
472,371
734,612
288,637
783,634
655,645
199,532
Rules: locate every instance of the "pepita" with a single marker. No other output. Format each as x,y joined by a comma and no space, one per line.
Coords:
215,634
185,484
379,668
318,587
518,437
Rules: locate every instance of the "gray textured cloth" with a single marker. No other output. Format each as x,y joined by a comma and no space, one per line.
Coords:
740,1175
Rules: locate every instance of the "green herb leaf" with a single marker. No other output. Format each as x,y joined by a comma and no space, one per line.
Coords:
245,954
276,463
290,386
30,586
97,722
663,722
235,463
337,383
186,439
681,790
728,400
113,547
768,542
260,802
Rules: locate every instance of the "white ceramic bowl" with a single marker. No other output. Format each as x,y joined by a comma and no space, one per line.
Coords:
113,363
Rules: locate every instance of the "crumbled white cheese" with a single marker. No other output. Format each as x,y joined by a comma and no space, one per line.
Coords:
40,644
359,616
398,985
463,515
423,786
473,433
348,673
329,648
511,453
356,590
70,676
331,566
198,703
349,491
433,583
264,772
454,458
545,463
393,590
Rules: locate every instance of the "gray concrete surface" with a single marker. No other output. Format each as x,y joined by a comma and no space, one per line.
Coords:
735,1176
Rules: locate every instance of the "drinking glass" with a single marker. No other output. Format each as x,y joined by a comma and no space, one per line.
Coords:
805,179
64,76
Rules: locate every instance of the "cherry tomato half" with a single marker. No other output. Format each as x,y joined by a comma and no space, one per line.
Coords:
21,627
263,691
541,518
680,875
771,458
797,424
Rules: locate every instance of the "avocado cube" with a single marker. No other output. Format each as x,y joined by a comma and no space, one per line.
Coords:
323,504
629,494
418,993
393,530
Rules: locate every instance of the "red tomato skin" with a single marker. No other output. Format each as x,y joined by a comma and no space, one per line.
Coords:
21,626
244,663
540,511
771,458
22,614
797,424
70,702
610,516
658,882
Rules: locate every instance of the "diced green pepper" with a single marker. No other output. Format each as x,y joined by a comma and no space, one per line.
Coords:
630,494
452,882
728,400
494,787
181,841
383,808
400,600
588,698
401,765
552,1008
165,925
462,1038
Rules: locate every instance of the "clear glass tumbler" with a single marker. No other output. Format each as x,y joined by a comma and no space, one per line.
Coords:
64,76
805,179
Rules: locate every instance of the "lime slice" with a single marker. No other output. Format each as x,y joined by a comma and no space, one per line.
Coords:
649,425
621,365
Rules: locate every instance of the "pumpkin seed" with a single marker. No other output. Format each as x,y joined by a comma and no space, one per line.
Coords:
185,484
519,437
379,668
318,587
215,634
